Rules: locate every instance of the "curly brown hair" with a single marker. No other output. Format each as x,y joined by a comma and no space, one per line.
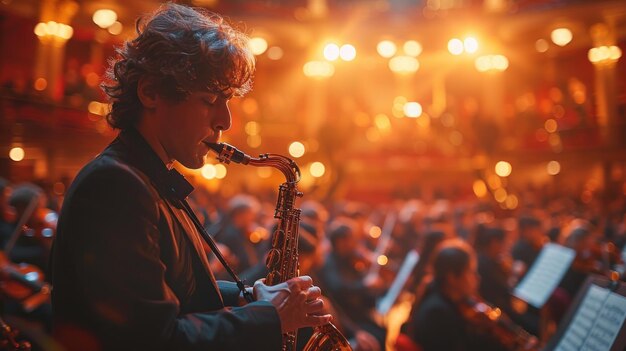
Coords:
184,50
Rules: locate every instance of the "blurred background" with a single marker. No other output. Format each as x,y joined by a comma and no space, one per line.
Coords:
417,120
375,99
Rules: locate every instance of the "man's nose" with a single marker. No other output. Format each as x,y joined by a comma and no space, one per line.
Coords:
223,122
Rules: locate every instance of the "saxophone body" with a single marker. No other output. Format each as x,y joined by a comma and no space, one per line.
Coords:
282,259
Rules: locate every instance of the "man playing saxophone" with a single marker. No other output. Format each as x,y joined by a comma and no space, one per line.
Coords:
128,266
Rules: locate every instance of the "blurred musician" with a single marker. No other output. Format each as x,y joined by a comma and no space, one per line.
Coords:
531,239
447,316
345,283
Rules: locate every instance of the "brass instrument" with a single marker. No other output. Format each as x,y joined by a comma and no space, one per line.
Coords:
282,259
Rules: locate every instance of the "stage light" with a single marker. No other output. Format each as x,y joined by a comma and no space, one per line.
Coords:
551,125
257,45
252,128
470,44
479,187
455,46
296,149
503,169
220,171
331,52
412,48
404,64
208,171
317,169
375,232
561,36
16,154
553,168
104,18
386,48
318,69
116,28
412,109
347,52
40,84
275,53
542,45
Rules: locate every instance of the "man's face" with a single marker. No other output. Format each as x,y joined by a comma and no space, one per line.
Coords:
467,282
182,126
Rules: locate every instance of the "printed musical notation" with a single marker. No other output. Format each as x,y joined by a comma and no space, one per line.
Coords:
597,322
545,274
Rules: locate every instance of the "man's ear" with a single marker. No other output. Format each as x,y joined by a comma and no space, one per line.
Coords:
147,92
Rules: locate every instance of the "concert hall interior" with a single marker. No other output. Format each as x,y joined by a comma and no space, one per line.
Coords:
462,163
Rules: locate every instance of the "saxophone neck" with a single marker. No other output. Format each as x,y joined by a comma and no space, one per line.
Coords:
227,153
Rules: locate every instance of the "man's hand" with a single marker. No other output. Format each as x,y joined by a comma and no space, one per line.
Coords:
297,301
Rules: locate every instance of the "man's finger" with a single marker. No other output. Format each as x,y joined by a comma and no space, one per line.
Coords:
314,306
314,320
313,293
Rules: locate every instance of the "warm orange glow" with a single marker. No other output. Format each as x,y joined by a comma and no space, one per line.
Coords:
257,45
252,128
551,125
412,109
494,181
412,48
264,172
208,171
382,260
254,140
40,84
503,169
296,149
275,53
604,54
455,46
375,232
404,64
500,195
116,28
317,169
104,18
480,189
220,171
491,63
553,168
561,36
542,45
16,154
386,48
331,52
511,202
54,29
318,69
347,52
470,44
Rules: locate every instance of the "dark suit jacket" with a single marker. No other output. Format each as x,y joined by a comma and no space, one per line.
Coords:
129,271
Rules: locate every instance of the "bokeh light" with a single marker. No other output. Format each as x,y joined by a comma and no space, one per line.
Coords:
503,169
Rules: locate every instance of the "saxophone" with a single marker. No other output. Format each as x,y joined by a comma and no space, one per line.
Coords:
282,259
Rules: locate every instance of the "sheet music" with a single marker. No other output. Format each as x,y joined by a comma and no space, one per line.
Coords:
597,322
403,275
545,274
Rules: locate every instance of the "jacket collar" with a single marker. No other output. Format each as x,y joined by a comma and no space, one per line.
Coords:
169,182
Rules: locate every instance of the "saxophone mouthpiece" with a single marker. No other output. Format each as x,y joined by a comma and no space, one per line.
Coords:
227,153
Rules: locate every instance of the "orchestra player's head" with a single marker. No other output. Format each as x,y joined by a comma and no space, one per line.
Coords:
174,80
454,269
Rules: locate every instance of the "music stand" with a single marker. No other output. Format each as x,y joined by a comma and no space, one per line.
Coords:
595,319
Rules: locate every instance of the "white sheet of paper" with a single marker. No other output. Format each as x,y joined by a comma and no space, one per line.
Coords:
545,274
597,322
